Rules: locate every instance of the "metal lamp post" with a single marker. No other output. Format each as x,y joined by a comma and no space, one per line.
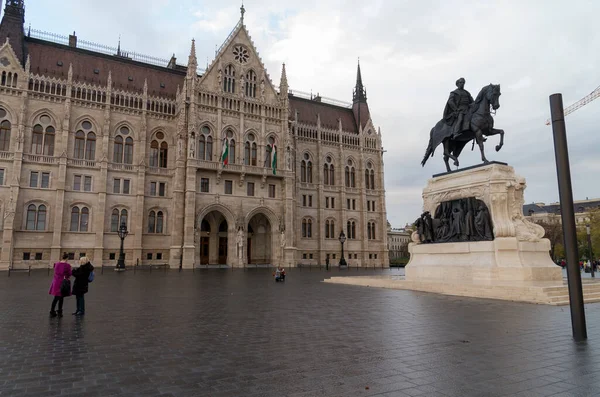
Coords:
122,232
590,257
342,239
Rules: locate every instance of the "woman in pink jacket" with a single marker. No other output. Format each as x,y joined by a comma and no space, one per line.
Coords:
62,271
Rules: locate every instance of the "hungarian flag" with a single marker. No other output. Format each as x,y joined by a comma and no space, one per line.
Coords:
225,152
274,158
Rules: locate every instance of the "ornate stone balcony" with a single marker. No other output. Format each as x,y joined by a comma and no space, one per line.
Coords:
39,158
82,163
7,156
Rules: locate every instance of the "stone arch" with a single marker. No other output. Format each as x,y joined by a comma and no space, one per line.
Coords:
227,213
252,131
266,211
86,117
232,128
10,114
35,115
123,123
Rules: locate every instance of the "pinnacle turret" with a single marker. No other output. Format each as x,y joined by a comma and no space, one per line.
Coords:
283,84
360,93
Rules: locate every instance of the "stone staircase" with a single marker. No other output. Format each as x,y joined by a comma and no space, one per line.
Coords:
559,295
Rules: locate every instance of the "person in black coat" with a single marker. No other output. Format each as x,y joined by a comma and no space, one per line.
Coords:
80,286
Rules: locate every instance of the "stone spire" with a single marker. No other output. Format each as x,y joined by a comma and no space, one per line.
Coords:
359,102
12,26
360,94
192,61
242,12
283,83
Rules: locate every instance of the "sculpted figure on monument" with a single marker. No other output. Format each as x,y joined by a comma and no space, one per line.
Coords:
483,223
457,107
466,219
465,120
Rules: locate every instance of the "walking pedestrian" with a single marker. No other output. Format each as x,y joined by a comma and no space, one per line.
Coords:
62,271
81,284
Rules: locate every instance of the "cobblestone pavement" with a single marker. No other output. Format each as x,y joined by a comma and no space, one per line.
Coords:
238,333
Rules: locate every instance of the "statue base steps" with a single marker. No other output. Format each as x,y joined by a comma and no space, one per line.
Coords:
554,293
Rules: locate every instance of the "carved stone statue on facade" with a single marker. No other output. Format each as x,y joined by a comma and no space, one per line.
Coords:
240,242
282,239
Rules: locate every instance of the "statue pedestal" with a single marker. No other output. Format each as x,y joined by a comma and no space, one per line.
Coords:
518,251
514,266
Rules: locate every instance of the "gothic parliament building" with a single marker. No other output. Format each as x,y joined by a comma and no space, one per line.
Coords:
215,166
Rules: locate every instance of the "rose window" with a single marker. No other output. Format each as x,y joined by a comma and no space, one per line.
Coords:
241,54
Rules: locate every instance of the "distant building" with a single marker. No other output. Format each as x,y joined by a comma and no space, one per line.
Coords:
550,213
398,240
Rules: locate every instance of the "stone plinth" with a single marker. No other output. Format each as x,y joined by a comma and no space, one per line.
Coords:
518,252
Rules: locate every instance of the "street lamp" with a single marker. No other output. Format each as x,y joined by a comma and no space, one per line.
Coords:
589,236
122,232
342,239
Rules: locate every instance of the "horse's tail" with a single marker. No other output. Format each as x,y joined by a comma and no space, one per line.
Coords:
430,149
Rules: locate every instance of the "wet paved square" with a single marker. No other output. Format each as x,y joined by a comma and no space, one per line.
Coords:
238,333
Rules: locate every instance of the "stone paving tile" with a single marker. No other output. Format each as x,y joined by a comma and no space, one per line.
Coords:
237,333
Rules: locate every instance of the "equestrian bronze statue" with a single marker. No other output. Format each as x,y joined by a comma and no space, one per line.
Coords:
465,120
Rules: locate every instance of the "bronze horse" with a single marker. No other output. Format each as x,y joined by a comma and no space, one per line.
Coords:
481,125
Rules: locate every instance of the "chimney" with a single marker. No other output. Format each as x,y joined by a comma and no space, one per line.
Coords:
72,40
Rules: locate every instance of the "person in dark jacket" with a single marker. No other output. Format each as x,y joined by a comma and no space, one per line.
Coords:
80,286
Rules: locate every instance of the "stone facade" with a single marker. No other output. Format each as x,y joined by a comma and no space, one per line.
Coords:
550,213
91,141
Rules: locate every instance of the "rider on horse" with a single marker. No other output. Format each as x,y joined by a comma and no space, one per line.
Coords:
457,108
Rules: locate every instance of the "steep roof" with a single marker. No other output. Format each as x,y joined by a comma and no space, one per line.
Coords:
309,109
127,74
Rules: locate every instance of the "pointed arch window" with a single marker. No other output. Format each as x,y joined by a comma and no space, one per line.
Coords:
306,169
251,84
159,150
369,176
330,229
123,147
350,174
250,150
229,79
232,146
351,229
155,222
36,217
328,172
117,217
307,228
42,141
4,131
85,142
79,219
205,144
269,153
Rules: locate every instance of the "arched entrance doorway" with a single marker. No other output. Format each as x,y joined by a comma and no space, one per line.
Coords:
259,241
212,239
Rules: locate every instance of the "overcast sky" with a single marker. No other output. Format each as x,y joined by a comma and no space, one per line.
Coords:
411,53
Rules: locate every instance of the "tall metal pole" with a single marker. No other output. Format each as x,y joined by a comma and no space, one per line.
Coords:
590,255
563,172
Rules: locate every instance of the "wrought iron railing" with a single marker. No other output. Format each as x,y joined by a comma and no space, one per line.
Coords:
103,49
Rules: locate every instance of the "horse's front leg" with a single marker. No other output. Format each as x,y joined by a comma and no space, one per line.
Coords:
479,140
501,132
